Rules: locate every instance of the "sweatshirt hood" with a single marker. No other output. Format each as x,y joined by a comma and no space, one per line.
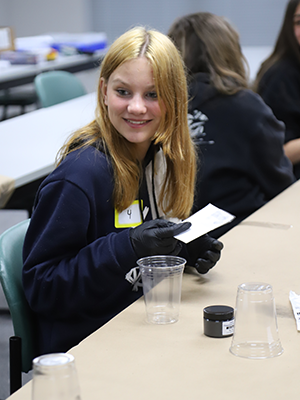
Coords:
200,89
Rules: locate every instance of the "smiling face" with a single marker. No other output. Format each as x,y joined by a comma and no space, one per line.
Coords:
132,104
297,23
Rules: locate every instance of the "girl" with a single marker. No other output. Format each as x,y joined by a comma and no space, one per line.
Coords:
118,182
278,82
240,142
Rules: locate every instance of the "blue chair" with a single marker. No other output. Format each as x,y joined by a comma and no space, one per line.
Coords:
55,87
23,345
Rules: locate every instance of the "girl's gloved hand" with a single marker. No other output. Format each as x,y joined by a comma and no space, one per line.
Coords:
204,253
156,237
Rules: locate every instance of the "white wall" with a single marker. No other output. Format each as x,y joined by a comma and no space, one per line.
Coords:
35,17
258,21
5,13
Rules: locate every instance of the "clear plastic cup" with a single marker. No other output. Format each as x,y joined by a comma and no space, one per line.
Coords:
162,279
255,331
55,378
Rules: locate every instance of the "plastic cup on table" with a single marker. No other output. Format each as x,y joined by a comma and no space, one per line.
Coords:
55,377
255,331
162,280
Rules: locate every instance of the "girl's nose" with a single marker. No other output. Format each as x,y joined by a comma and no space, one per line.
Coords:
137,105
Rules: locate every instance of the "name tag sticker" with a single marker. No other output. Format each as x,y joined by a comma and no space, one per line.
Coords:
129,217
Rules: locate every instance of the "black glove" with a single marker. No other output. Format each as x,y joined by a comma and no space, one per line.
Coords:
204,252
157,237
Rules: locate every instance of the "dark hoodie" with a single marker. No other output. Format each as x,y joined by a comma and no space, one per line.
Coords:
240,144
78,261
280,89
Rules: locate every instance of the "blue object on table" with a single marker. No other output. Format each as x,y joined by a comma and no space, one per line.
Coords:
83,43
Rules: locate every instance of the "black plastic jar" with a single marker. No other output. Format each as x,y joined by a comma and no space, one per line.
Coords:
218,321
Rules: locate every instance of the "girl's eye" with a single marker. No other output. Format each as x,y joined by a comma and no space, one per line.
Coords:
122,92
152,95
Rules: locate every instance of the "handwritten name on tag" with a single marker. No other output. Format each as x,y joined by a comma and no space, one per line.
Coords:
130,217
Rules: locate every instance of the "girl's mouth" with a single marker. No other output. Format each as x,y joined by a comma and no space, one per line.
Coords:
137,123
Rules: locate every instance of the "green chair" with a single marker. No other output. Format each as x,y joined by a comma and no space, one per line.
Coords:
55,87
23,344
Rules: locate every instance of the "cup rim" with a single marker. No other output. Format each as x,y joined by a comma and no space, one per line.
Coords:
255,286
59,360
180,261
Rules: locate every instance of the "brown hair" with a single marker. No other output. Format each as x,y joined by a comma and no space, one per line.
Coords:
208,43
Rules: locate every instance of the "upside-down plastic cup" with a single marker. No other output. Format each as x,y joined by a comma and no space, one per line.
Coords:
255,331
162,279
55,378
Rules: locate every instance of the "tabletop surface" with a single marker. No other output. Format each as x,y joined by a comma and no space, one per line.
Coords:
255,55
16,75
25,69
129,358
29,143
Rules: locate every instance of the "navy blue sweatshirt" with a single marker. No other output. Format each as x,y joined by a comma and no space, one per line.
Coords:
240,145
75,258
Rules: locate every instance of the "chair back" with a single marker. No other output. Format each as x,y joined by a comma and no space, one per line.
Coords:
54,87
11,263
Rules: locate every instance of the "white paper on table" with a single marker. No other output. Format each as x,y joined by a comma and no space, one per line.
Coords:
203,221
295,302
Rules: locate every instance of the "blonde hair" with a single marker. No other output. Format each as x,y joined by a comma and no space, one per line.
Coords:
177,193
208,43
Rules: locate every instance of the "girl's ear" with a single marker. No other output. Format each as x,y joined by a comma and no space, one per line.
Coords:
103,87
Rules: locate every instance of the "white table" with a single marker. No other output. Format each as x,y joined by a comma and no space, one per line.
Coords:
29,143
17,75
128,358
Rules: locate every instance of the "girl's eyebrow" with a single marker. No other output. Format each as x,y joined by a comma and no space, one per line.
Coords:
117,80
121,82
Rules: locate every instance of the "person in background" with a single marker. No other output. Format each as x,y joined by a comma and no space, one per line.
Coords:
278,81
119,182
240,142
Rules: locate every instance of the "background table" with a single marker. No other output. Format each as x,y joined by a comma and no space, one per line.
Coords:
29,143
128,358
17,75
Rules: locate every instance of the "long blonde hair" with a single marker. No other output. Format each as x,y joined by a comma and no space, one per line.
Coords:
208,43
177,193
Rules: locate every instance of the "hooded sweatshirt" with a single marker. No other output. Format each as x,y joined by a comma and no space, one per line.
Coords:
79,264
240,146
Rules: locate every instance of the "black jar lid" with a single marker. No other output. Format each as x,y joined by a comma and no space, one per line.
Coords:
218,313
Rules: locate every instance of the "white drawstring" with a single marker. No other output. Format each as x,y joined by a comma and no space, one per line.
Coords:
134,277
